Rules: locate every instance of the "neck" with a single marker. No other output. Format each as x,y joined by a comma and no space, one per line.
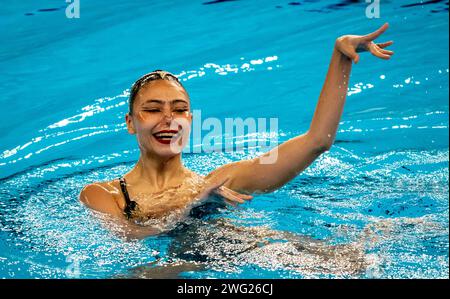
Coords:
158,173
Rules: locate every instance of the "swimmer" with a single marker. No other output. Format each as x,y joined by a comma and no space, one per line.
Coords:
159,115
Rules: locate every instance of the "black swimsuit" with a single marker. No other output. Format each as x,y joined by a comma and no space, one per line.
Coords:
130,205
196,212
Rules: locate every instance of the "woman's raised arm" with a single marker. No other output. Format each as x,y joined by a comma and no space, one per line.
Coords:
294,155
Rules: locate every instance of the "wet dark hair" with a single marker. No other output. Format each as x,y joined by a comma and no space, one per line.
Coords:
155,75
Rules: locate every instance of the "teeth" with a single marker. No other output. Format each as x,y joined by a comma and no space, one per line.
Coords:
165,135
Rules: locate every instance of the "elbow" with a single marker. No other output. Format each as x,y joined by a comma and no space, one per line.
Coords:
319,150
321,145
324,147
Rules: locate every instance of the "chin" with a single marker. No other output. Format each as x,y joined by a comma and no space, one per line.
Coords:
165,151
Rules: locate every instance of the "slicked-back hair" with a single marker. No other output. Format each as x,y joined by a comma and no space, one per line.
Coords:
155,75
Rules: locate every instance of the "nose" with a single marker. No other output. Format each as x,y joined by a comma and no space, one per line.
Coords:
168,116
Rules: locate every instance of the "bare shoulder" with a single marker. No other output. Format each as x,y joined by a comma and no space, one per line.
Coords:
103,197
95,190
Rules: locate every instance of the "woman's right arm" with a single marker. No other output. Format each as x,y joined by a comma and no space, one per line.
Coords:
98,198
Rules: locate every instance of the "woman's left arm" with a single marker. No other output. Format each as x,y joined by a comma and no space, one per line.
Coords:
294,155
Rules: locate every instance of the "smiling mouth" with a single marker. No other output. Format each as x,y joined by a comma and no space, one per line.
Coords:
166,136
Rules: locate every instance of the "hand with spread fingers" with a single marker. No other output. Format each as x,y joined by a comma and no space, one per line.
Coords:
216,187
351,45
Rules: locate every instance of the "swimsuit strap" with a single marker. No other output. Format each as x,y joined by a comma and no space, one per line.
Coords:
130,205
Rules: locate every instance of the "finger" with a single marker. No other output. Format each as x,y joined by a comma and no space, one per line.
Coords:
244,197
227,195
377,33
353,56
231,203
377,53
237,197
382,51
214,185
351,53
387,52
240,195
386,44
211,186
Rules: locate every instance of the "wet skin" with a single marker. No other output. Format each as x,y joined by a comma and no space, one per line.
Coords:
161,112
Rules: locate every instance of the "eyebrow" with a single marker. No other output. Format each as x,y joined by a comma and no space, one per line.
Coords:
162,102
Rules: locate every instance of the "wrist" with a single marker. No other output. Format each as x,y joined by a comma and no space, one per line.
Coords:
338,42
338,51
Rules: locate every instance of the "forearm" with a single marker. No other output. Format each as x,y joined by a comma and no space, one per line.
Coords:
294,155
263,174
331,102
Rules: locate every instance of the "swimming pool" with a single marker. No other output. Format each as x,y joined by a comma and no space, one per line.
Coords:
383,187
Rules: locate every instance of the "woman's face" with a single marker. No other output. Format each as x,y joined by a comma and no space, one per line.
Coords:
161,118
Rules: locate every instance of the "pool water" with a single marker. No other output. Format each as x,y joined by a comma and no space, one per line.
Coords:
375,206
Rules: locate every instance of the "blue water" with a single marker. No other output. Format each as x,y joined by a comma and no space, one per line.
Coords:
382,186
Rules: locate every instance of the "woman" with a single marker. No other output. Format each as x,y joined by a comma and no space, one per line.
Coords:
159,185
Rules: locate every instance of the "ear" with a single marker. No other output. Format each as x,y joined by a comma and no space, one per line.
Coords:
130,125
